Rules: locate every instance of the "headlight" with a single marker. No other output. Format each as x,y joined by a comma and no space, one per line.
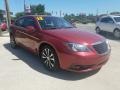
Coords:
77,47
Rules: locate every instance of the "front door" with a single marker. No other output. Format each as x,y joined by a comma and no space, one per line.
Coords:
110,25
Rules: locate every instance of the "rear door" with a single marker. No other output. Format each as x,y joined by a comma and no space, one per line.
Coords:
31,39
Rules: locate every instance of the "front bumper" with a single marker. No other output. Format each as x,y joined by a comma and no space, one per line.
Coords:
83,61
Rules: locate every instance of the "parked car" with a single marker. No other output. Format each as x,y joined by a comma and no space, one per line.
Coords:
3,26
59,44
109,23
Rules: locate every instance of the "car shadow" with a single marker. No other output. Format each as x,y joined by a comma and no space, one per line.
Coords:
34,62
109,36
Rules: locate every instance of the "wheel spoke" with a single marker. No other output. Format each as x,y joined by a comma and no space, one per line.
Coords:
53,60
51,55
46,62
48,52
51,65
44,54
44,57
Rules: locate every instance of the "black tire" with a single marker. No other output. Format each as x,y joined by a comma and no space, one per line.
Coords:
49,58
12,42
117,33
98,30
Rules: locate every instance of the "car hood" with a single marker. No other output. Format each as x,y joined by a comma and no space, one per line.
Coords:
75,35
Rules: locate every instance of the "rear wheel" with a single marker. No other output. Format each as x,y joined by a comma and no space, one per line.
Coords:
12,42
117,34
49,58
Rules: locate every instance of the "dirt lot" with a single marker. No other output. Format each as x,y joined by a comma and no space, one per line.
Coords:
20,70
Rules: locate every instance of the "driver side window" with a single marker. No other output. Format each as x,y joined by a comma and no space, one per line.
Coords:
110,20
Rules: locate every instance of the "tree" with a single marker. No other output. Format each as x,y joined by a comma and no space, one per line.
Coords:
115,13
81,18
47,13
38,9
1,15
19,14
35,10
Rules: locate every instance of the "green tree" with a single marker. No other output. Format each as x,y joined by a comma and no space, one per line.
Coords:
115,13
1,15
19,14
35,9
47,13
38,9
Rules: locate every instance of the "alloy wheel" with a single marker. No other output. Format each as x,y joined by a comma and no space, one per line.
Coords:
49,58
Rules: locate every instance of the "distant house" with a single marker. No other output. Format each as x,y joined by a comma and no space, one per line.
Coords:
3,15
4,12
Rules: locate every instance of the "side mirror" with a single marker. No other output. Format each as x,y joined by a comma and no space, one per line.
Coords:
30,29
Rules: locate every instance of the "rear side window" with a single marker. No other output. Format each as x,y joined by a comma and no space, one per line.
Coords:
29,22
20,22
23,22
104,20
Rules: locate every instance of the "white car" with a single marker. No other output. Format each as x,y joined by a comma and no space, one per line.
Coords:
109,23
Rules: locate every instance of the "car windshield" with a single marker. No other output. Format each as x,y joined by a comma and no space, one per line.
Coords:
117,19
54,23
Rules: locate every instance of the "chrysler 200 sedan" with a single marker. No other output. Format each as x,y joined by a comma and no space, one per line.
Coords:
59,44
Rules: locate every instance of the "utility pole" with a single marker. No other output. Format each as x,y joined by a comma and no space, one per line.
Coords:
24,6
60,13
7,14
97,12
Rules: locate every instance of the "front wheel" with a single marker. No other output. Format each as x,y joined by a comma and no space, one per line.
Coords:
98,30
49,58
117,34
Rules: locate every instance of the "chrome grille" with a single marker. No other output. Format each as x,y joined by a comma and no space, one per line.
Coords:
101,47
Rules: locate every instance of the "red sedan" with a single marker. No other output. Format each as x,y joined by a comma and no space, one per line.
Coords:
59,44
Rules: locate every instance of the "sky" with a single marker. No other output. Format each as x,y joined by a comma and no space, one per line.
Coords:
67,6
